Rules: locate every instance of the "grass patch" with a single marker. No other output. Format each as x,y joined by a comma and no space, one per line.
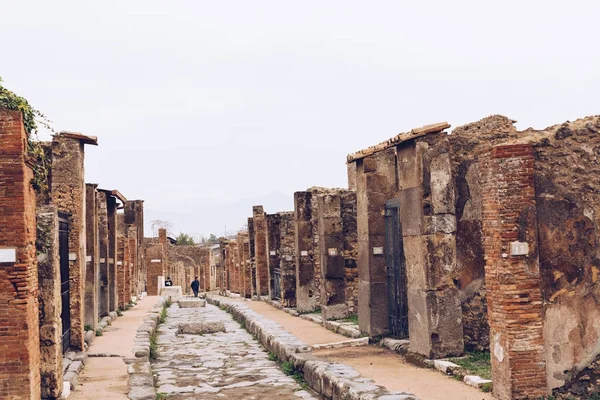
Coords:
290,370
350,318
98,332
487,387
88,328
272,357
315,311
161,396
153,347
476,363
119,312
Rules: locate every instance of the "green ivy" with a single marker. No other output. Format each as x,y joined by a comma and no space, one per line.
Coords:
31,119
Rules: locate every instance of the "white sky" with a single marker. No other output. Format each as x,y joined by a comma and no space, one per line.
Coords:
203,108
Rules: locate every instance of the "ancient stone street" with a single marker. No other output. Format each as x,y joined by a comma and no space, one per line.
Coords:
220,365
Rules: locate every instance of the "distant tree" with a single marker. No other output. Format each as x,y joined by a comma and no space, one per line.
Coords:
161,224
183,239
212,238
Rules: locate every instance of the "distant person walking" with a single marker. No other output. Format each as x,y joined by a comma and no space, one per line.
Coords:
195,286
168,281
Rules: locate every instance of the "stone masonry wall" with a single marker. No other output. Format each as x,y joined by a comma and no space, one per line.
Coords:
350,248
273,245
104,272
287,258
51,371
260,249
92,260
19,324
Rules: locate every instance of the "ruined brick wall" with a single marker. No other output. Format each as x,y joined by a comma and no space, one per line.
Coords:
19,332
512,277
104,272
134,216
122,263
252,241
155,266
132,261
243,265
287,258
195,258
568,214
260,249
113,296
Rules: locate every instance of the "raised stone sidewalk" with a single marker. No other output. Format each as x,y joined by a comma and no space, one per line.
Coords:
332,380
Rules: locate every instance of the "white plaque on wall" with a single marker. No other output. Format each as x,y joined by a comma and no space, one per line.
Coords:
119,262
155,260
8,255
273,252
72,256
88,258
332,251
304,253
378,250
111,261
289,258
519,248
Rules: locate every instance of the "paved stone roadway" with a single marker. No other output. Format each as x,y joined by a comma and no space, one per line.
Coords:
214,366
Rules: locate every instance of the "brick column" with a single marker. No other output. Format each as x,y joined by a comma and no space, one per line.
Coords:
121,267
273,244
132,262
19,325
92,258
252,255
260,250
375,185
68,194
512,273
134,216
113,296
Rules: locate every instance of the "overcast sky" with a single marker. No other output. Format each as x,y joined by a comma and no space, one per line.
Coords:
203,108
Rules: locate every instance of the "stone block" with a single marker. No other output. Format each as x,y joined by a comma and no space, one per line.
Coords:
442,185
201,328
191,303
66,391
477,381
444,366
139,368
411,211
89,337
75,366
71,377
173,293
113,315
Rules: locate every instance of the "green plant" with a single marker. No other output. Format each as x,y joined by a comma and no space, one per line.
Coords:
288,368
153,347
161,396
31,119
487,387
119,312
88,327
98,332
476,363
351,318
272,357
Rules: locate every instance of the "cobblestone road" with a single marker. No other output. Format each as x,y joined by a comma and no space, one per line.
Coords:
219,365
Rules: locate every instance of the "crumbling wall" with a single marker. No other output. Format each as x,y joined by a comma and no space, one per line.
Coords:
350,249
260,249
273,245
287,259
568,210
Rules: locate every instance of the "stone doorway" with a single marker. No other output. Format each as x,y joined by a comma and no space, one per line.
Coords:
396,272
65,315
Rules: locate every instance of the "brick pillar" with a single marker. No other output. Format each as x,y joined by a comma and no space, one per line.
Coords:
260,250
331,248
134,216
19,325
351,175
51,372
246,267
113,296
375,185
121,266
92,258
273,243
287,261
512,275
128,270
252,256
307,298
68,194
104,272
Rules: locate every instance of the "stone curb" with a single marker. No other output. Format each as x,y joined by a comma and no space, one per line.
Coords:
141,381
347,329
331,380
444,366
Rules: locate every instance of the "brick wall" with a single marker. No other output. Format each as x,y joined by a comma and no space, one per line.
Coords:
513,281
260,250
19,324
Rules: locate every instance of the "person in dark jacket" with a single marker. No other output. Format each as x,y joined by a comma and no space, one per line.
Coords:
168,281
195,286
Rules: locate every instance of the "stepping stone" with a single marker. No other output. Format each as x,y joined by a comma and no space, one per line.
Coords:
476,381
192,303
201,328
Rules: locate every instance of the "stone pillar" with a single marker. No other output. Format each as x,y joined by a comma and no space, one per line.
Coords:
132,270
252,255
428,228
351,175
260,249
68,194
331,248
51,372
246,267
287,258
134,216
122,263
307,298
19,324
104,272
273,243
375,185
512,274
92,258
113,296
204,269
